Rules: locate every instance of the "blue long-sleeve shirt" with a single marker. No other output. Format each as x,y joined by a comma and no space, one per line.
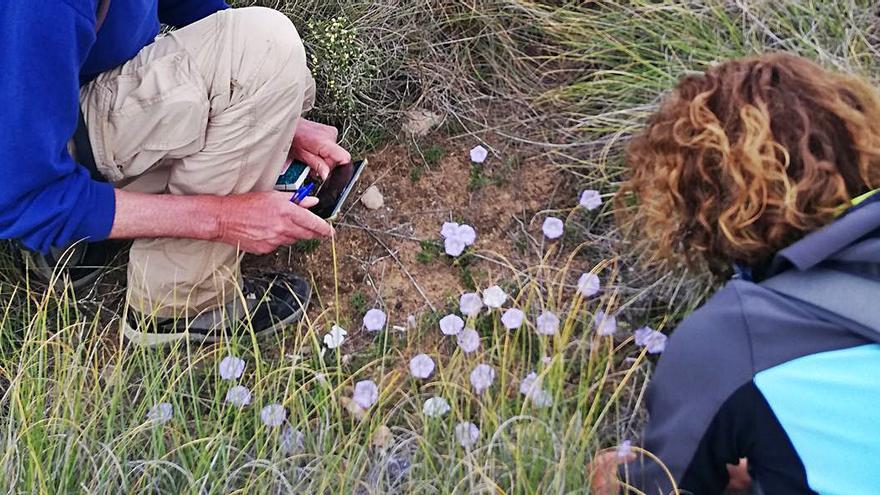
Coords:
47,49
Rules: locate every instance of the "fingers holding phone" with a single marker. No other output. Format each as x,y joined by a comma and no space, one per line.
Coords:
261,222
315,144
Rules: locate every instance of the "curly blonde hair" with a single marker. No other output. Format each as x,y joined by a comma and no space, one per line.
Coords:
746,158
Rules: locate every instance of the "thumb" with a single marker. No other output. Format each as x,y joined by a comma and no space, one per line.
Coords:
309,202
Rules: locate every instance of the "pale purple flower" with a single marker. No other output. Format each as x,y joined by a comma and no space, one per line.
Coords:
467,434
529,384
335,338
466,233
291,441
238,396
513,318
411,322
468,340
624,450
547,323
650,339
451,325
605,324
457,237
552,228
374,320
453,246
435,407
470,304
541,398
494,297
479,154
448,229
160,413
482,377
588,284
231,368
273,415
421,366
366,393
590,199
546,360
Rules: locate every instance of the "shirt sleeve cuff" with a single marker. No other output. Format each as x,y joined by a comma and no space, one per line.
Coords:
98,222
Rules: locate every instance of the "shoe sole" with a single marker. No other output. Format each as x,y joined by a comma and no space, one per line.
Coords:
144,339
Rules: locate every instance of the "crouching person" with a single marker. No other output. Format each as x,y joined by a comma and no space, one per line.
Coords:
765,168
187,133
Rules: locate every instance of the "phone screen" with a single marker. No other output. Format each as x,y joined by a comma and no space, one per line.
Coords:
334,191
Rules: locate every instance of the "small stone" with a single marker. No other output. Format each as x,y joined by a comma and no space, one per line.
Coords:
372,198
382,438
420,122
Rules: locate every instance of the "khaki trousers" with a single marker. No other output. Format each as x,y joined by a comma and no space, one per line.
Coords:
208,109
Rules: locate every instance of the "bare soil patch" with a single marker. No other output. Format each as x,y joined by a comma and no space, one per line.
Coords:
393,257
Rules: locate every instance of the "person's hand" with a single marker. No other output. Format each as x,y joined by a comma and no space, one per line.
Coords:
603,472
740,480
315,145
260,222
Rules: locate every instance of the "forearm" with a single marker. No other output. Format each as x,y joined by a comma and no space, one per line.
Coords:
141,215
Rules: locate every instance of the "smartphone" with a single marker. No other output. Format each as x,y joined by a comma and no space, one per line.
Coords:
333,192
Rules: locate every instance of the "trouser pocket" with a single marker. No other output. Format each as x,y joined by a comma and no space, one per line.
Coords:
140,115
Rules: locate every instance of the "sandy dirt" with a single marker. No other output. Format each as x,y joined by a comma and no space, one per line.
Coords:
378,251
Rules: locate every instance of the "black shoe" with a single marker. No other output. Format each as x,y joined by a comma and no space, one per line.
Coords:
78,265
273,301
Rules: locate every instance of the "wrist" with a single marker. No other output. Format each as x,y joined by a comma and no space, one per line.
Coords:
216,222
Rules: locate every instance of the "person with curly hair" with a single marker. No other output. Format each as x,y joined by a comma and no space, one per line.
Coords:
762,168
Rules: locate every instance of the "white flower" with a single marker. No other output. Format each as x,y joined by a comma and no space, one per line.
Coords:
482,377
451,324
541,398
588,284
590,199
335,338
624,450
529,384
546,360
467,434
652,340
457,237
470,304
479,154
291,441
605,324
453,246
547,323
374,320
365,393
231,368
552,228
448,229
411,322
238,396
160,413
273,415
468,340
466,233
494,297
421,366
513,318
435,407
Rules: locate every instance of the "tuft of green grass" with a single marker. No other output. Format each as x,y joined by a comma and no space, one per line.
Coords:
429,250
